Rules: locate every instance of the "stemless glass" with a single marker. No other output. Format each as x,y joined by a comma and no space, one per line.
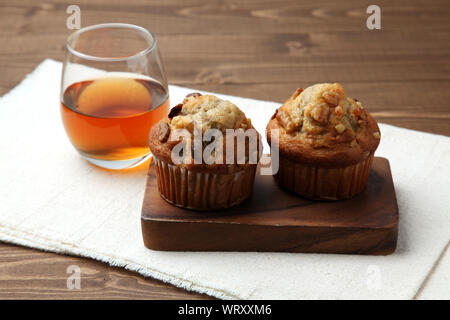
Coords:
113,90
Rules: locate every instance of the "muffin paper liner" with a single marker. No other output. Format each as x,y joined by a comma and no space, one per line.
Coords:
201,190
323,183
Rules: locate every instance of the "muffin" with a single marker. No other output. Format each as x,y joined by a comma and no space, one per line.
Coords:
200,177
326,143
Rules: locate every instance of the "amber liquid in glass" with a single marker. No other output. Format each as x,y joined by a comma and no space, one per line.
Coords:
110,118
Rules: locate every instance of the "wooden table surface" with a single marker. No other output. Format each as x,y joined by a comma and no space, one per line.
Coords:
258,49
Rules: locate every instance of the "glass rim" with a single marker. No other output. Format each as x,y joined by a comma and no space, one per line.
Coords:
82,55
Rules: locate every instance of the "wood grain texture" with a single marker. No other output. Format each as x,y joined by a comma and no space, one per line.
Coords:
260,49
276,220
32,274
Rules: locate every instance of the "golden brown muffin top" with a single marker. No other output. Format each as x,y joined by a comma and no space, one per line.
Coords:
321,125
211,112
205,112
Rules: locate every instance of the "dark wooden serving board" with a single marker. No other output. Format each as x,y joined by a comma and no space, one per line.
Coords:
275,220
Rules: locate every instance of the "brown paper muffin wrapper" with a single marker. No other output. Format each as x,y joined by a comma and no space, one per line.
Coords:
201,190
323,183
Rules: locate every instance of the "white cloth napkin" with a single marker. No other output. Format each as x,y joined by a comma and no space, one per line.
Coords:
52,199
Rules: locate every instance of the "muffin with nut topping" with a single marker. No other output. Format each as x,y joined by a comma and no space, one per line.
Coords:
205,154
326,143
